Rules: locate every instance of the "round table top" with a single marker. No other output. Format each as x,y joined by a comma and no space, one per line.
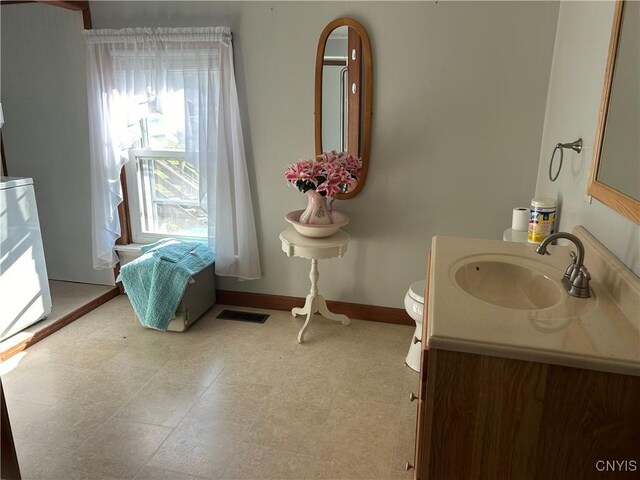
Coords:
293,243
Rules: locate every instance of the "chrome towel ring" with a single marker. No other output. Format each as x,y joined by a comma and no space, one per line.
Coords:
575,146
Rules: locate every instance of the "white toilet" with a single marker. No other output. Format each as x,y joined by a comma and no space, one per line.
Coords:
414,304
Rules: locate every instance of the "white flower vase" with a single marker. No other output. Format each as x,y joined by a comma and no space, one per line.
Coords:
317,212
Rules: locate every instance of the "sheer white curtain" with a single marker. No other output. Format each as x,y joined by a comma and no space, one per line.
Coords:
128,67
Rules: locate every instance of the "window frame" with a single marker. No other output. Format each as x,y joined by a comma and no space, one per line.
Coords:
134,194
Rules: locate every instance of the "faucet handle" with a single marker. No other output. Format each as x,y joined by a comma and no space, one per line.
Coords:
584,273
580,282
572,266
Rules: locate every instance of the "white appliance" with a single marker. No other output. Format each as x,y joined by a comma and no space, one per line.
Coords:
24,285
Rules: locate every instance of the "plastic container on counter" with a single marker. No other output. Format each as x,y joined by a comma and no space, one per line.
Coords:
542,218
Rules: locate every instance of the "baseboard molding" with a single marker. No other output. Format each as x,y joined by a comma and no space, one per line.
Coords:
396,316
58,324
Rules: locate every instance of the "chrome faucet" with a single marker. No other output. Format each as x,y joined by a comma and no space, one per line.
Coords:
576,277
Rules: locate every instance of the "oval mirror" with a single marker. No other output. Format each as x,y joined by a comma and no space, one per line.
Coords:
343,94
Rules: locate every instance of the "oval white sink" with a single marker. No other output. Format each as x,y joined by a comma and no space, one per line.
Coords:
508,285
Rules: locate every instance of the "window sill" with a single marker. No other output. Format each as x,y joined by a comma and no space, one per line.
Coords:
131,248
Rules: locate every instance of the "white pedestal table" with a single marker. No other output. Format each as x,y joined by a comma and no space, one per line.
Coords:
297,245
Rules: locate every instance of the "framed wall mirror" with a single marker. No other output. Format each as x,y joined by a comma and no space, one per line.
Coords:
615,172
343,94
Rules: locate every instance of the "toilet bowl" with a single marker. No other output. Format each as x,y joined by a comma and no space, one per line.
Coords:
414,304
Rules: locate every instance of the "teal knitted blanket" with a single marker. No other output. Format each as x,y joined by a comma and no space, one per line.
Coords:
156,281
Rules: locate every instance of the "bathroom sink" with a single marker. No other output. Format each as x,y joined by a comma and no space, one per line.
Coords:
508,284
487,297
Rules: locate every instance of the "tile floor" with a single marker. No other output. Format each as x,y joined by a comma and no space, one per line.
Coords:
65,298
104,398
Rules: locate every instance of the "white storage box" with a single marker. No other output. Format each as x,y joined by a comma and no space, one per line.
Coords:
199,296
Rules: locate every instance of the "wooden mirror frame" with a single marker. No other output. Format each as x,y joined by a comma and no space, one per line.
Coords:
366,99
614,199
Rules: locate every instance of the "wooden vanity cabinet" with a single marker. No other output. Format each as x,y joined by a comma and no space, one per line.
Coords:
488,417
484,416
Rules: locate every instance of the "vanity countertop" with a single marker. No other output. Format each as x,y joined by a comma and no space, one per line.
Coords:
597,333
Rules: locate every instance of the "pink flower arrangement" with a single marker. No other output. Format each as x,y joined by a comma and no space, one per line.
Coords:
327,174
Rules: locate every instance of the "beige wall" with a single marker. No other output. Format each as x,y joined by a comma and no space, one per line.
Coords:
459,100
46,136
575,89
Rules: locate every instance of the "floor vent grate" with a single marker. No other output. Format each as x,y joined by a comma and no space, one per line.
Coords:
243,316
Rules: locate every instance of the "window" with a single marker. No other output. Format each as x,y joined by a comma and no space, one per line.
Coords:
163,184
163,103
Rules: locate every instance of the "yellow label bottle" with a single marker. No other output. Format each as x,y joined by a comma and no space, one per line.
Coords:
542,217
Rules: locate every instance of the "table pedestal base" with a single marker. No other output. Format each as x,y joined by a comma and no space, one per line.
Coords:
316,304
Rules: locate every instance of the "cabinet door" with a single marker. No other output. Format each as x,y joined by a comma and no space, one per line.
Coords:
420,419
